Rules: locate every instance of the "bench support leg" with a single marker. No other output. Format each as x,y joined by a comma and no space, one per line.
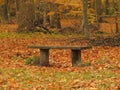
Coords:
44,57
76,56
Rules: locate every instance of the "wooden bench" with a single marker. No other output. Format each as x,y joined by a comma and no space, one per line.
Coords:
44,53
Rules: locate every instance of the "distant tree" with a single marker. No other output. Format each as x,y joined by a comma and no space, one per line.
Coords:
49,13
98,5
17,4
116,7
85,18
106,7
26,16
55,20
6,10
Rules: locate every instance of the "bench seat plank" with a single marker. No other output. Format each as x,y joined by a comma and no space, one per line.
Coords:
62,47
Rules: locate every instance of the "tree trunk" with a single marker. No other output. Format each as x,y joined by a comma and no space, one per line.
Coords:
116,7
55,20
85,18
106,7
6,11
116,23
26,16
17,5
45,22
98,5
98,12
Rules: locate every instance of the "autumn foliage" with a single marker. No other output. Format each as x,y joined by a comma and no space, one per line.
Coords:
99,68
60,23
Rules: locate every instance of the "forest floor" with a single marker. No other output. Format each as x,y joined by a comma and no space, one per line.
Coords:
99,70
108,26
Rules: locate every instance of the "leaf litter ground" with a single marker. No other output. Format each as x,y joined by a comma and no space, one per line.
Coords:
103,73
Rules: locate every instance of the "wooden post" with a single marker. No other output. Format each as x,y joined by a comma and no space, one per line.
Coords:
76,56
44,57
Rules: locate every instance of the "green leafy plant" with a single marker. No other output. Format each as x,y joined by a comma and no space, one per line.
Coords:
32,60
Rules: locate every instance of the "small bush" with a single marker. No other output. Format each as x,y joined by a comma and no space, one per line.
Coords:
32,61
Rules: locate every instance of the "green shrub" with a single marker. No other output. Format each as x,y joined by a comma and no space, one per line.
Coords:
32,60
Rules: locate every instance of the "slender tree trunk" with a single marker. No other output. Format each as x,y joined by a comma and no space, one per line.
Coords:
98,12
116,7
45,18
116,22
6,11
85,18
106,6
17,4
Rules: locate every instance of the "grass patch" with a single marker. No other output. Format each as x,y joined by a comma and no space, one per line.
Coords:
83,64
103,86
48,78
110,67
16,58
38,35
30,35
108,80
103,60
87,75
32,60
